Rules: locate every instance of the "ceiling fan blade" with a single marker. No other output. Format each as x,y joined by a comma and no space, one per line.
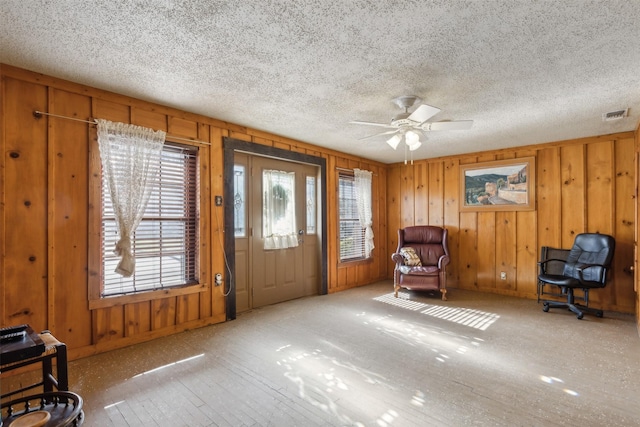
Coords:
452,125
423,113
380,134
358,122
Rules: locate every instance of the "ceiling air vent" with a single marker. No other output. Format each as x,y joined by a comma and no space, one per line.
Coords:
614,115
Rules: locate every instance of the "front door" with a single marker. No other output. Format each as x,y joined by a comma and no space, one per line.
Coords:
279,257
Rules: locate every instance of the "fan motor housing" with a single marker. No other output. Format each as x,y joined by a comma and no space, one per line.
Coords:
401,120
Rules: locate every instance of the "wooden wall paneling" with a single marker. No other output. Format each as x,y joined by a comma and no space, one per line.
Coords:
421,193
182,128
506,251
149,119
600,202
215,295
526,254
107,110
254,139
436,193
600,187
623,294
206,243
68,218
384,252
394,196
108,324
244,137
467,263
486,250
333,254
407,190
163,313
548,183
365,272
282,145
137,318
187,308
298,149
340,280
24,178
572,193
451,197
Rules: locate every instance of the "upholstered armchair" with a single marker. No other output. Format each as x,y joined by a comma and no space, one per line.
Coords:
421,259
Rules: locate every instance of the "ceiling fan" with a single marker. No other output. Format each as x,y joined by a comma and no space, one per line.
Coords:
411,125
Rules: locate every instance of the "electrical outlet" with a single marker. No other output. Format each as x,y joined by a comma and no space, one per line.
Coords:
503,275
218,200
218,279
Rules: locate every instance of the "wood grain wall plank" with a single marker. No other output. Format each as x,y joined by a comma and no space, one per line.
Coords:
451,213
68,213
622,293
436,194
137,318
549,198
421,194
573,202
506,258
407,204
149,119
180,127
25,205
526,254
467,262
486,250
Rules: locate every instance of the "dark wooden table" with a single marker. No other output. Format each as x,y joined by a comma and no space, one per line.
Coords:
33,348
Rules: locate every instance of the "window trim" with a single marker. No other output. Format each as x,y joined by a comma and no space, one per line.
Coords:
95,299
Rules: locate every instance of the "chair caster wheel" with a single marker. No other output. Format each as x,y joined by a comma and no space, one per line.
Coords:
545,307
579,316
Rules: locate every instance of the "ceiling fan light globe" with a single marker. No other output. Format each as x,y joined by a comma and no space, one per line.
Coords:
415,146
412,138
394,141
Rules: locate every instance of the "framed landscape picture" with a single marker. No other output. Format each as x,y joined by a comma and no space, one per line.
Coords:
502,185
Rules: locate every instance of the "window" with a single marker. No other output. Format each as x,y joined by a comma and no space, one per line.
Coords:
165,244
311,204
239,205
279,209
351,232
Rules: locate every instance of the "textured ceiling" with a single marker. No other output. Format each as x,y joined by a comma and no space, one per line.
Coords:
525,71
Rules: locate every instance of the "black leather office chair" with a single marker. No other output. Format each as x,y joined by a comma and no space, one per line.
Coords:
585,268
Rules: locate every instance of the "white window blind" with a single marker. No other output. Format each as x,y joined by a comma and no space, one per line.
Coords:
351,232
165,244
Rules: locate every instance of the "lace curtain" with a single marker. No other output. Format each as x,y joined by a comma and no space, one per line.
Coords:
130,157
363,198
279,220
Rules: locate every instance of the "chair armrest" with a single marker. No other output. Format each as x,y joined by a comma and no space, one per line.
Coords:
583,267
443,261
398,259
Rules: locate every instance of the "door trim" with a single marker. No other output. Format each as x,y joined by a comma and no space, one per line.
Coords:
230,146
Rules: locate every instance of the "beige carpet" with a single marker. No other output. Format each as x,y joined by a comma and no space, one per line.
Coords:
364,358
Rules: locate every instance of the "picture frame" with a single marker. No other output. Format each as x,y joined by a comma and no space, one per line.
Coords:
501,185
